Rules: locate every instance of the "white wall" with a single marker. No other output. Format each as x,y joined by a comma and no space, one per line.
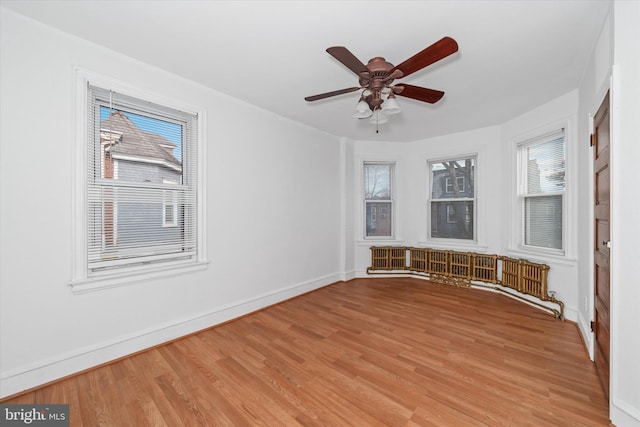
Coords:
348,195
273,214
625,212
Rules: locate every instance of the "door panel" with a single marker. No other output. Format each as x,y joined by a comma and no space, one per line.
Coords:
602,227
601,330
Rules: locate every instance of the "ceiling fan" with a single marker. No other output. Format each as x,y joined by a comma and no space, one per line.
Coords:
377,77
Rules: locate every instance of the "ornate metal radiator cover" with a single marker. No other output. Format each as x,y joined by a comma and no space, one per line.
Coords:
510,275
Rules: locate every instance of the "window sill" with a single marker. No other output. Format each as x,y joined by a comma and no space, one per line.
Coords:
541,256
379,241
464,246
92,284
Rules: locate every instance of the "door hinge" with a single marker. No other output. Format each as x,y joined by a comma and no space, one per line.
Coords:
591,140
591,325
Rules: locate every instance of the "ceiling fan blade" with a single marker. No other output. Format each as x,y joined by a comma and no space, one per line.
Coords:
434,53
420,93
329,94
343,55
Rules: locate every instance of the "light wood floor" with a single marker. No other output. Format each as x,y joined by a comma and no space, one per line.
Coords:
368,352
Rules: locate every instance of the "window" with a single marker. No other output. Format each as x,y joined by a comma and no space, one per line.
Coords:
170,206
451,188
541,184
378,199
142,187
451,214
452,198
170,209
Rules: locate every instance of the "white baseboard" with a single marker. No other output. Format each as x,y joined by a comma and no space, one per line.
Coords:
570,314
77,360
587,334
348,275
624,415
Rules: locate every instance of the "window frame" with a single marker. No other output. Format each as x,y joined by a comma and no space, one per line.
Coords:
474,200
82,280
390,202
523,194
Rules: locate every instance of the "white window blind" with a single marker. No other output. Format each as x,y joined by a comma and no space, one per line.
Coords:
142,184
542,187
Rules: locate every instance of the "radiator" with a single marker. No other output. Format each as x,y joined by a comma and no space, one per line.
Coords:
468,268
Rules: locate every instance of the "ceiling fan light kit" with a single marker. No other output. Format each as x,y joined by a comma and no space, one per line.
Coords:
377,77
362,109
391,106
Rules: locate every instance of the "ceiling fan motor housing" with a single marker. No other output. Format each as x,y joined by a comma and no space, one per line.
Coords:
376,80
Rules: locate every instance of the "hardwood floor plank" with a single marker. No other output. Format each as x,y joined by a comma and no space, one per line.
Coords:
374,352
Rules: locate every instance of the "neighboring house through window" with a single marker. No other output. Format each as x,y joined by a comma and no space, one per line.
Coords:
170,206
541,189
378,199
452,201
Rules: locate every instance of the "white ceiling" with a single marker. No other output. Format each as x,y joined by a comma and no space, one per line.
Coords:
514,55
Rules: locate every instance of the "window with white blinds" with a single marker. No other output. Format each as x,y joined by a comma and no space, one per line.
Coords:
142,184
541,175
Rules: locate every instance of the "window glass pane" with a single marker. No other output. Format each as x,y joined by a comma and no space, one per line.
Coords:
545,167
452,179
139,148
452,220
543,221
378,218
542,180
377,181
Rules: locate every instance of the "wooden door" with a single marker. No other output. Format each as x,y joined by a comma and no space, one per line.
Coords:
602,218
